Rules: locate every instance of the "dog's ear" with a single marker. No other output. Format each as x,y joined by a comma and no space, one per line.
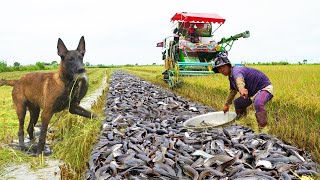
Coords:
82,46
62,50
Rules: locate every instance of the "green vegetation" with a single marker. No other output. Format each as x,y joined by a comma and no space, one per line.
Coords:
79,134
50,66
294,112
17,67
271,63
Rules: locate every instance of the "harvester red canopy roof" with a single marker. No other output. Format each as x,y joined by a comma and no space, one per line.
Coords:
198,17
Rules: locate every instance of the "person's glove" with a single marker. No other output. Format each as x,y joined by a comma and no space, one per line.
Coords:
243,92
226,108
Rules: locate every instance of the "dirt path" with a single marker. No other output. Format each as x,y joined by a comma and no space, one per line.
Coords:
52,170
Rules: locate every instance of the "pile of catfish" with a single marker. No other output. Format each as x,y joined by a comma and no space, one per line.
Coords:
143,137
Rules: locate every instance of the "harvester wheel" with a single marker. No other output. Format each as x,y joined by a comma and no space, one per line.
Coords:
165,75
171,81
173,77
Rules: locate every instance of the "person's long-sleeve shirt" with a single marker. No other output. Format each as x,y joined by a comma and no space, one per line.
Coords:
251,79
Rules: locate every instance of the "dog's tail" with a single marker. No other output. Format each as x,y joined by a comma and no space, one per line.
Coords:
4,82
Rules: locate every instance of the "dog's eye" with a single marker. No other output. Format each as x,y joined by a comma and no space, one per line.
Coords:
80,57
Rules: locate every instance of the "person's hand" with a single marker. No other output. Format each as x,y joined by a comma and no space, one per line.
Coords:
226,108
243,92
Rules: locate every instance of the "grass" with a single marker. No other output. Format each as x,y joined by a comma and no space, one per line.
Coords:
294,112
76,134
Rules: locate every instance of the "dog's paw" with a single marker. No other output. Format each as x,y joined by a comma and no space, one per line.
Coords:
47,151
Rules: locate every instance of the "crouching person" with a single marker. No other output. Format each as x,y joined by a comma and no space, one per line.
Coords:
252,85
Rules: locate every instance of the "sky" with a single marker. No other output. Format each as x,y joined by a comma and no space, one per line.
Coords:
127,31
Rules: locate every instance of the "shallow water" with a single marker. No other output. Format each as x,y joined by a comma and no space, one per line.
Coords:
23,171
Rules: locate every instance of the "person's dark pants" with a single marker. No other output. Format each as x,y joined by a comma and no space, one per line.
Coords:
241,104
260,100
261,114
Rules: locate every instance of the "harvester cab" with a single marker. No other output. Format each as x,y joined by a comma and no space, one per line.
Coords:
191,49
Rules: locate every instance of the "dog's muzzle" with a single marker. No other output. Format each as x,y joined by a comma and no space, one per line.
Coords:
80,76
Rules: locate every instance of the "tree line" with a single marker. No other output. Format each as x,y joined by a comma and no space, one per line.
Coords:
18,67
4,67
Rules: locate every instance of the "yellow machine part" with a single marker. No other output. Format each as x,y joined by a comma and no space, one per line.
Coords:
176,69
168,63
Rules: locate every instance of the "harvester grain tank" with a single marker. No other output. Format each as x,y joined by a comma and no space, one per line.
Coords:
191,49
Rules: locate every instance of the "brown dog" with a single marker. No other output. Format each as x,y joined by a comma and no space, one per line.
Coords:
51,92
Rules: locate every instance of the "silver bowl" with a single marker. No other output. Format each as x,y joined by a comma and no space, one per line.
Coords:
210,120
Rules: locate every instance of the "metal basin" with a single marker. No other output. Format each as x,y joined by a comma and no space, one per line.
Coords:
210,120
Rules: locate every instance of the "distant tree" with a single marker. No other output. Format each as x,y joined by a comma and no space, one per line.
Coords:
16,64
305,61
87,64
101,66
280,63
54,63
3,66
137,64
40,65
154,64
3,63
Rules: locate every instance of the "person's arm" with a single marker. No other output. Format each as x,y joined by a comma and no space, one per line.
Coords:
230,97
241,87
232,94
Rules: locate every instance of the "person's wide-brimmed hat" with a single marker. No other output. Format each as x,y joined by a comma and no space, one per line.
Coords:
220,60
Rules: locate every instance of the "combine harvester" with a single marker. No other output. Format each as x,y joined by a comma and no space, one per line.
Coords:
191,50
